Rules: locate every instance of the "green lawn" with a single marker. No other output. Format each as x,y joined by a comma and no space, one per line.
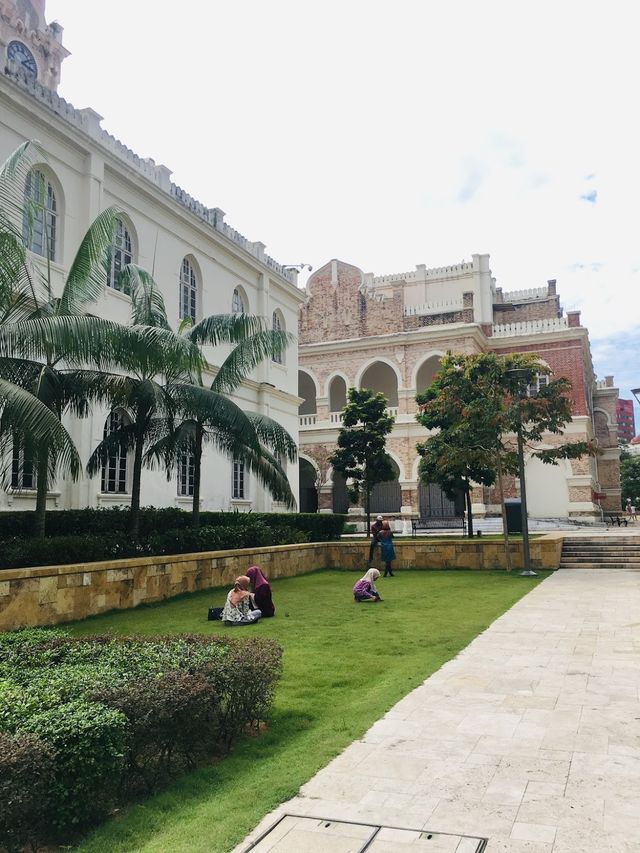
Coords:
345,664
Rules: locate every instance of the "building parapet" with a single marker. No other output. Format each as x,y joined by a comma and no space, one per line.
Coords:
446,306
528,293
530,327
88,121
421,273
602,384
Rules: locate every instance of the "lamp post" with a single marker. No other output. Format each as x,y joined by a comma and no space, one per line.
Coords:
527,572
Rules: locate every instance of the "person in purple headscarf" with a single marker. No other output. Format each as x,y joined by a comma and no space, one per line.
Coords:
261,591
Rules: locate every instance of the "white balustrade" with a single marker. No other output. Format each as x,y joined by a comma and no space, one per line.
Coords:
335,417
307,420
446,306
530,327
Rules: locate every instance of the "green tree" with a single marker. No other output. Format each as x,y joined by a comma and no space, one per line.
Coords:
477,404
361,456
630,478
206,415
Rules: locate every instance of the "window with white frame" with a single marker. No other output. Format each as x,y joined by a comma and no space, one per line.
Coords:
121,255
186,473
239,490
188,290
278,326
541,381
115,472
40,219
237,303
23,472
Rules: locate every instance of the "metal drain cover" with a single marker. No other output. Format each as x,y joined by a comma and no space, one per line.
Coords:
293,834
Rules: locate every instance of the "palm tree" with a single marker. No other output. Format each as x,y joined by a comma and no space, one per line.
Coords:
50,346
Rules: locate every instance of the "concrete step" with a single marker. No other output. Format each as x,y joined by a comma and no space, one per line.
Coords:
609,567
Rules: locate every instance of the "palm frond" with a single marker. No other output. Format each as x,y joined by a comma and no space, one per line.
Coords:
226,328
246,355
147,303
274,435
120,441
87,276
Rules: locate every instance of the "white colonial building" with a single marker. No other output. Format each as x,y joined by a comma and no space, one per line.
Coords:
202,265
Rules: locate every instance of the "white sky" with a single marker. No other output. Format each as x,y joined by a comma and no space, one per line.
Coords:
389,134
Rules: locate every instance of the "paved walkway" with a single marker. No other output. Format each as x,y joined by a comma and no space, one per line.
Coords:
530,737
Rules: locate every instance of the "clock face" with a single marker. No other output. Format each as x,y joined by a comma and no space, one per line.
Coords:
20,53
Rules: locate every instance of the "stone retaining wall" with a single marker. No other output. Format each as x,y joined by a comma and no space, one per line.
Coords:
49,595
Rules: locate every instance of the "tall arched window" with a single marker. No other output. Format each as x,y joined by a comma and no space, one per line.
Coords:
121,255
186,473
115,472
188,290
237,303
277,324
23,470
40,219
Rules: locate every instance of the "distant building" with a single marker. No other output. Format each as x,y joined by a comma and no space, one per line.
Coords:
626,420
388,333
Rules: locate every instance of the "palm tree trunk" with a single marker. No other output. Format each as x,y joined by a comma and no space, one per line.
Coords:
197,470
134,523
42,485
467,496
367,498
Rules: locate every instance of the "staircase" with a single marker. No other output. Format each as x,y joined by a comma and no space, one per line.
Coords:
617,552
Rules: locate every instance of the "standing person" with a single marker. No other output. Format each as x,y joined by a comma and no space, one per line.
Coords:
632,511
376,527
387,551
239,608
261,592
365,588
628,508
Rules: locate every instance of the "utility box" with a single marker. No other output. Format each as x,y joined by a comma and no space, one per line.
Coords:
513,507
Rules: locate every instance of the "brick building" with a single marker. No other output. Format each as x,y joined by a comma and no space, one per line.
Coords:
626,420
389,333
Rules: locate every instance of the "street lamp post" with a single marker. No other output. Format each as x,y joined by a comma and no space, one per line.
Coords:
527,572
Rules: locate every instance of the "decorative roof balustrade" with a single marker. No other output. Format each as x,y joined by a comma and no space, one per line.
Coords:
530,327
446,306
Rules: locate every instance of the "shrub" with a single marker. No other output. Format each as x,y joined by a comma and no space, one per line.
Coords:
88,743
26,776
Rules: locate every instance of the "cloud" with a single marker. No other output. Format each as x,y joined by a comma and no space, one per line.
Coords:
591,196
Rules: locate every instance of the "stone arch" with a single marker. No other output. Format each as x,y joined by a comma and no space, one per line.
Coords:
337,388
381,375
308,390
307,472
425,371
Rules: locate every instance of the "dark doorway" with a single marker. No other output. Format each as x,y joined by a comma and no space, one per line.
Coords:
434,503
308,492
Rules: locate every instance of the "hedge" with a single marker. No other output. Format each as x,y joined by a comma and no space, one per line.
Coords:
88,723
321,527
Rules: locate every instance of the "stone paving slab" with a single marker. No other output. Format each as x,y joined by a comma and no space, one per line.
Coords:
530,736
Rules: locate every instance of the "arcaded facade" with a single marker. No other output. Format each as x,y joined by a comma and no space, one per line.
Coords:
389,333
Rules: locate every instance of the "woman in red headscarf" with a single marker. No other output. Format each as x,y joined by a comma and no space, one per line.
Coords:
261,591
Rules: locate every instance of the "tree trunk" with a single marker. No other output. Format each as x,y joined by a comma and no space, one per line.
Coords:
507,551
467,497
134,522
367,507
197,470
42,487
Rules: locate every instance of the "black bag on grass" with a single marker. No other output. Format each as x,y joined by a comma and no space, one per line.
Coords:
215,613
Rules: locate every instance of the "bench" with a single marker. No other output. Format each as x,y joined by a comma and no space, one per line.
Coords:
614,518
445,522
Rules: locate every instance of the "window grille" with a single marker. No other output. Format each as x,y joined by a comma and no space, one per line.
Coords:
121,255
114,473
40,220
186,474
23,472
238,487
188,291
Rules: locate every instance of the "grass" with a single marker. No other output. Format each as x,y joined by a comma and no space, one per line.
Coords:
344,666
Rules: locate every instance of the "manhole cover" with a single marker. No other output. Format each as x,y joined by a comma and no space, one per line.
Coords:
294,834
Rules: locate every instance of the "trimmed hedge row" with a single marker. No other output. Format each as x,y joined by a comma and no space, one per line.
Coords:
321,527
239,530
87,723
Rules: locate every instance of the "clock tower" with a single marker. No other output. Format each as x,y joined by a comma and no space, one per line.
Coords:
28,46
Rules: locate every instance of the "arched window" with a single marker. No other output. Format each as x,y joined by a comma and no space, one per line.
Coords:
277,324
237,303
186,472
541,381
40,219
115,472
121,255
188,290
239,489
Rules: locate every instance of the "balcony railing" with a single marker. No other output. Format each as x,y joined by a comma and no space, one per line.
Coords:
335,418
308,420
